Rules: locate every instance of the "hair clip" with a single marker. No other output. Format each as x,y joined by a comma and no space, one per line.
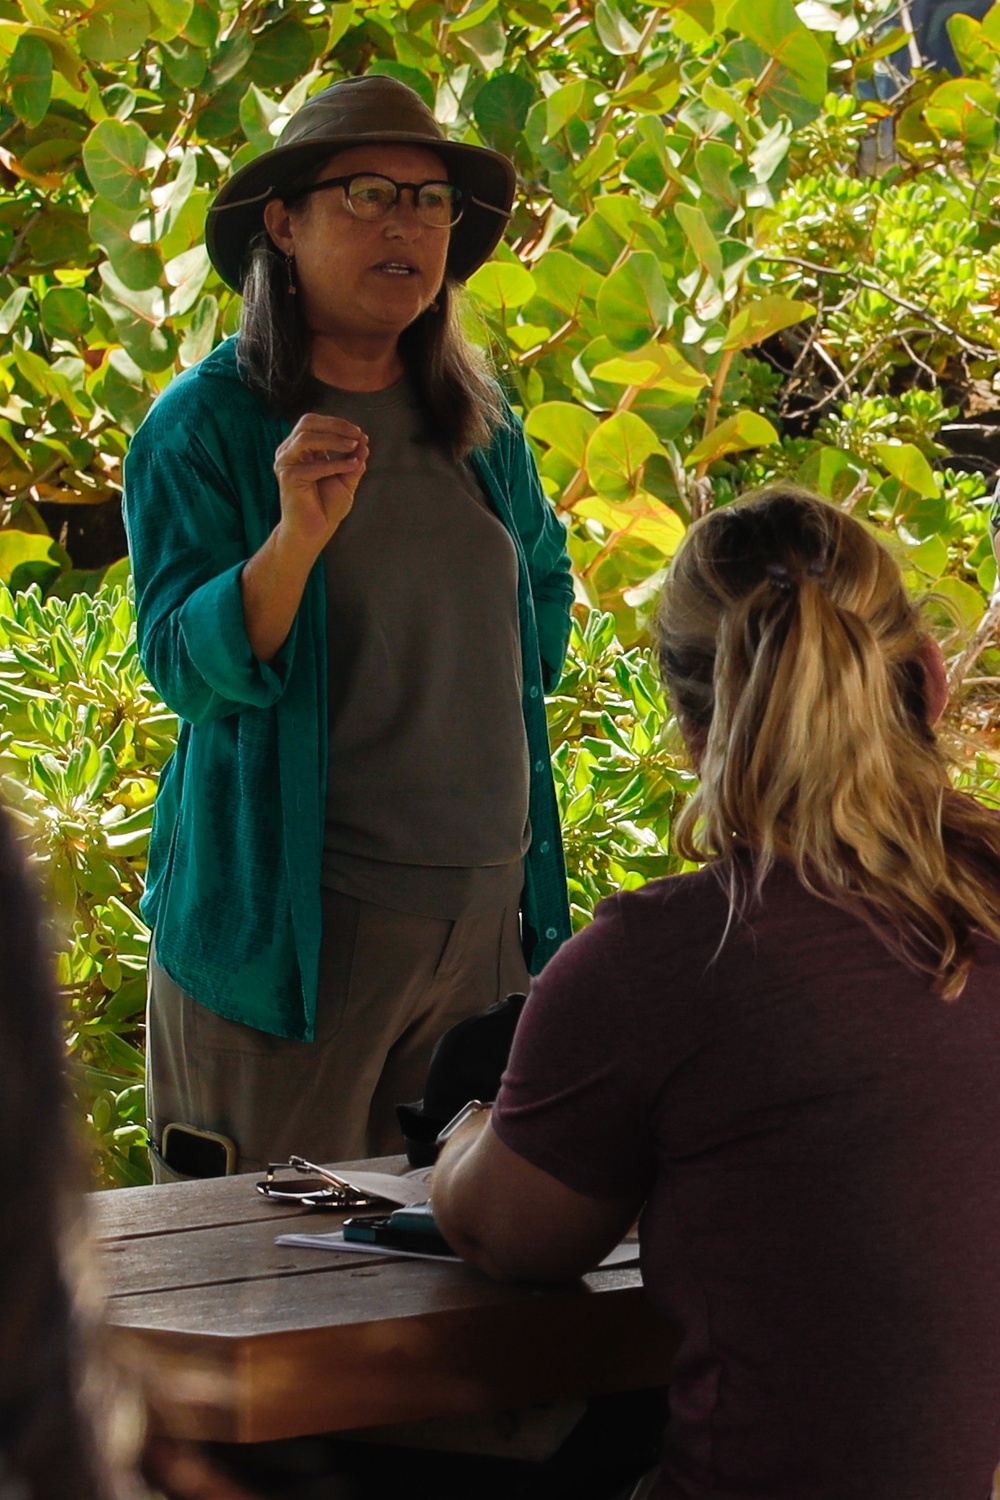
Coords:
779,575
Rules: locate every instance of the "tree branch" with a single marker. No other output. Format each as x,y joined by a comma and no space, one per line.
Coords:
985,631
981,351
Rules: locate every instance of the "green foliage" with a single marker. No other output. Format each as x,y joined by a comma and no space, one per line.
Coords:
729,262
619,775
83,738
82,741
698,267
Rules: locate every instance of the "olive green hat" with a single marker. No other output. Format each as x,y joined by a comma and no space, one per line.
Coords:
373,110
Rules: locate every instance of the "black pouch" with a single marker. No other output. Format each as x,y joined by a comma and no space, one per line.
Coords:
467,1063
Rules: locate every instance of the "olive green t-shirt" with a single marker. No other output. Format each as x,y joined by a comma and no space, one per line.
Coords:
427,802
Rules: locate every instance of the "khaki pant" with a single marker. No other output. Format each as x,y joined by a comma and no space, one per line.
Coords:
390,984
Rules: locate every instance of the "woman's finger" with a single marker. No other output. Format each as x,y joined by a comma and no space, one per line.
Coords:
330,442
309,473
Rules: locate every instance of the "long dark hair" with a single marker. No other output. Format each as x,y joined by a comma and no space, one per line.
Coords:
53,1406
460,403
794,660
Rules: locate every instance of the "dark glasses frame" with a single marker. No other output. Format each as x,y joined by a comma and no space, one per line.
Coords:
457,197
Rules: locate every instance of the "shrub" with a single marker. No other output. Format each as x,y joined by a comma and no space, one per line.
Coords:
83,739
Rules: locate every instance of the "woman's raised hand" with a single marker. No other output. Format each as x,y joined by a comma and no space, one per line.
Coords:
318,468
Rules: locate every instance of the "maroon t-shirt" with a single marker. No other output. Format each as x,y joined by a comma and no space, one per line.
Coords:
817,1137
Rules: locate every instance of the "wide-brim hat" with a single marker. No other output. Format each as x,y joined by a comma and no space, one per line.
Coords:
373,110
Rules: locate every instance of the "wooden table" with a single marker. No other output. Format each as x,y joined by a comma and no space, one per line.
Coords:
251,1340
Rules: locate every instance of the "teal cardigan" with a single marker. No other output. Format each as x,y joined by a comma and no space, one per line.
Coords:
233,889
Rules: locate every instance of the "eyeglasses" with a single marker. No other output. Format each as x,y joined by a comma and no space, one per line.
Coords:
323,1190
372,197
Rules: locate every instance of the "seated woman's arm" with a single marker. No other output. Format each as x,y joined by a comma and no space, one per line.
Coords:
513,1220
548,1186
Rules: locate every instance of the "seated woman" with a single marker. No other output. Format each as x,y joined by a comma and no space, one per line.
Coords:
789,1059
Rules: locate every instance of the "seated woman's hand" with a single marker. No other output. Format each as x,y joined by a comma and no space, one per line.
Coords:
318,467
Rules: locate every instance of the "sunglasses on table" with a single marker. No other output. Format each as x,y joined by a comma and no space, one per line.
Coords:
314,1187
371,197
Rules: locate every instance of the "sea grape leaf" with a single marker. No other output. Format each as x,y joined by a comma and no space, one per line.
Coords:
657,366
501,108
501,284
701,239
29,78
281,53
634,302
758,320
746,429
116,29
642,518
170,18
564,426
616,452
907,464
775,27
115,156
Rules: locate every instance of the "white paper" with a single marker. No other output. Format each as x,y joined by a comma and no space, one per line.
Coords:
336,1241
625,1254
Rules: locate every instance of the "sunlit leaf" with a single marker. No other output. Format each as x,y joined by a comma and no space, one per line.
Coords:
747,429
701,239
565,281
564,426
657,366
758,320
909,465
618,35
964,109
501,284
170,17
20,547
774,26
616,453
965,601
642,518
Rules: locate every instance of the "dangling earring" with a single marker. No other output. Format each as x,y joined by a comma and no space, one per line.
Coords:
290,268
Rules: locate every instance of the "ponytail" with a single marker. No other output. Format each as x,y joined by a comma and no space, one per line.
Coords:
793,658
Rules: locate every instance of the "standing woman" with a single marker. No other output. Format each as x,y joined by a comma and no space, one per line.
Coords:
353,592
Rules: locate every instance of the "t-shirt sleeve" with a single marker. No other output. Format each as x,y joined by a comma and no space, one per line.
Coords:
573,1100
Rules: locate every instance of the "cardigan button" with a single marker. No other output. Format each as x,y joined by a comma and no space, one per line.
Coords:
539,766
533,691
544,847
550,932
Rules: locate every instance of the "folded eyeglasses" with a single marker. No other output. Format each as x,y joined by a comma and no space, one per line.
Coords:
320,1189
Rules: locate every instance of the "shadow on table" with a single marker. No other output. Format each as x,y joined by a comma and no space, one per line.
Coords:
614,1443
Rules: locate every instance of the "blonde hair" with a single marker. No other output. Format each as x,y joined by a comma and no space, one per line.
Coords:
794,661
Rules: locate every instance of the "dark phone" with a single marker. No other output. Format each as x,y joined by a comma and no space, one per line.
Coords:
411,1229
197,1153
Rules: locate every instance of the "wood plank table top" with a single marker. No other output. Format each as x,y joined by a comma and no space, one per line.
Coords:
250,1340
